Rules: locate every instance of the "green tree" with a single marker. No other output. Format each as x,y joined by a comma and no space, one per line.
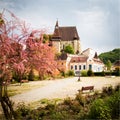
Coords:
109,65
69,49
110,55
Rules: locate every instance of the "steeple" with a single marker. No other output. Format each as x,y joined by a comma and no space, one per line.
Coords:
95,56
56,26
56,30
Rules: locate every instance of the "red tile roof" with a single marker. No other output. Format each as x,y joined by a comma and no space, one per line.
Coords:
78,59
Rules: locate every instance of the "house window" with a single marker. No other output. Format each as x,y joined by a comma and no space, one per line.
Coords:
90,67
75,67
84,67
79,67
71,67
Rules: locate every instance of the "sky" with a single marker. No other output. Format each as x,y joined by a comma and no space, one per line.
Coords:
97,21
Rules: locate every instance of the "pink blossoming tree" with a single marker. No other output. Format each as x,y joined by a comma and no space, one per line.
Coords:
21,49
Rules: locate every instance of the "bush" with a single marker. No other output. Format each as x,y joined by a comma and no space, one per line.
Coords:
90,73
114,103
70,73
63,73
22,110
107,91
80,99
107,107
84,73
99,110
117,72
99,73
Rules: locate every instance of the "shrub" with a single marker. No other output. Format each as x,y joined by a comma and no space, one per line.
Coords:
114,103
90,73
117,72
99,73
22,110
99,110
70,73
117,88
107,90
68,101
80,99
83,73
63,73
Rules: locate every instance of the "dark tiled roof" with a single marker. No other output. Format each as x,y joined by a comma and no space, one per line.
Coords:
65,33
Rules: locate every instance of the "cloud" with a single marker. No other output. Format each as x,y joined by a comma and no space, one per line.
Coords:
97,21
92,24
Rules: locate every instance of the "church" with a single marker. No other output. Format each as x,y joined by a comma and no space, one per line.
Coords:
80,60
65,35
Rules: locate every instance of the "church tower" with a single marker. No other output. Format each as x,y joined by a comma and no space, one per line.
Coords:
64,36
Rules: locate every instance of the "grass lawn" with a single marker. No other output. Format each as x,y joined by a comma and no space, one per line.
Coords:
14,89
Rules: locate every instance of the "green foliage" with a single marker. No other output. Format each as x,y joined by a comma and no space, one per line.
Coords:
83,73
22,110
90,73
80,99
99,110
95,106
109,65
117,72
99,73
106,108
46,38
114,103
111,55
70,73
63,73
69,49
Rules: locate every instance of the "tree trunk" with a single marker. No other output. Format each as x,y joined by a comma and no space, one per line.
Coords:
6,104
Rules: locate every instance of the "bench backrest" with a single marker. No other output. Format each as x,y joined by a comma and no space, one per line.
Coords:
88,88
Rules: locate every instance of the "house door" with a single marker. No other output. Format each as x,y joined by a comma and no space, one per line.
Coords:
90,67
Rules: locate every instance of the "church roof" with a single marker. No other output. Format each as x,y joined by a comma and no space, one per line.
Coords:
65,33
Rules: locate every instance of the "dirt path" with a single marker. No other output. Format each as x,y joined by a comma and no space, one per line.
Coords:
64,88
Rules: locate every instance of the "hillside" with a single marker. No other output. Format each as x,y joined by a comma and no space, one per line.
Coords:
111,55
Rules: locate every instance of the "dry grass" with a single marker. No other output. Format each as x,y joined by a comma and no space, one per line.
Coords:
14,89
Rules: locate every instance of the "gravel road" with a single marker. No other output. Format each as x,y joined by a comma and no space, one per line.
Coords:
63,88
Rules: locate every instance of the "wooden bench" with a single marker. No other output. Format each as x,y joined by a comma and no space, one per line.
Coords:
86,88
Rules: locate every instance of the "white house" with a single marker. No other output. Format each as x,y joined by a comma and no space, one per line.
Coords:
87,60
